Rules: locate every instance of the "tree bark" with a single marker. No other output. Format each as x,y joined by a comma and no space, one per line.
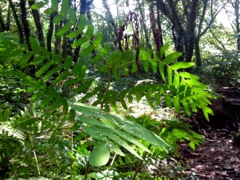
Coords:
38,24
237,16
50,32
198,53
18,23
57,44
2,24
190,36
143,24
85,6
8,18
25,24
156,29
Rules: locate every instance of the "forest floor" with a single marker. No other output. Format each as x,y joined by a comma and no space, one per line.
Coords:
219,157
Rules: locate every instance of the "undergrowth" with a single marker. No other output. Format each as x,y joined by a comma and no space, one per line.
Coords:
65,127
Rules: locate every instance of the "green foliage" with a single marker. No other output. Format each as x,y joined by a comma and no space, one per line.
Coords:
51,81
114,132
221,68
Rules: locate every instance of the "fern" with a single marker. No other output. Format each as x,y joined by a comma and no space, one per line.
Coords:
113,132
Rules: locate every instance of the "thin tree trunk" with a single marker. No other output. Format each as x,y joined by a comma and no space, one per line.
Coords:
38,24
8,18
143,24
85,6
50,32
19,26
237,23
25,24
57,44
190,35
109,17
156,29
159,25
2,24
197,53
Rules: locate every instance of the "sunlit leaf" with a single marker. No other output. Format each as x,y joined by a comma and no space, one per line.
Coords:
87,50
170,78
161,68
54,4
74,34
71,82
82,22
206,111
171,57
61,77
168,102
163,49
176,103
186,107
115,149
43,69
80,41
65,7
125,145
131,139
176,79
67,63
72,15
98,39
145,65
89,32
182,65
50,11
64,29
38,5
189,75
154,65
57,19
34,45
37,60
25,59
99,156
51,72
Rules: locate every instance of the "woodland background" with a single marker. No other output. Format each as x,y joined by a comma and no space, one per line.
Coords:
109,91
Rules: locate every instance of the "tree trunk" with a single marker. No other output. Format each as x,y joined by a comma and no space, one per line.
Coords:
19,26
8,18
191,16
143,24
38,24
57,44
237,16
159,25
109,16
156,29
2,24
50,32
85,6
25,24
198,53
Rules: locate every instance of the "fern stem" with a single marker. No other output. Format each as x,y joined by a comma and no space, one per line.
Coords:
108,85
145,154
114,157
87,169
36,159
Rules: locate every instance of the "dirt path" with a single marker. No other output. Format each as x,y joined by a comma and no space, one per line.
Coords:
217,159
